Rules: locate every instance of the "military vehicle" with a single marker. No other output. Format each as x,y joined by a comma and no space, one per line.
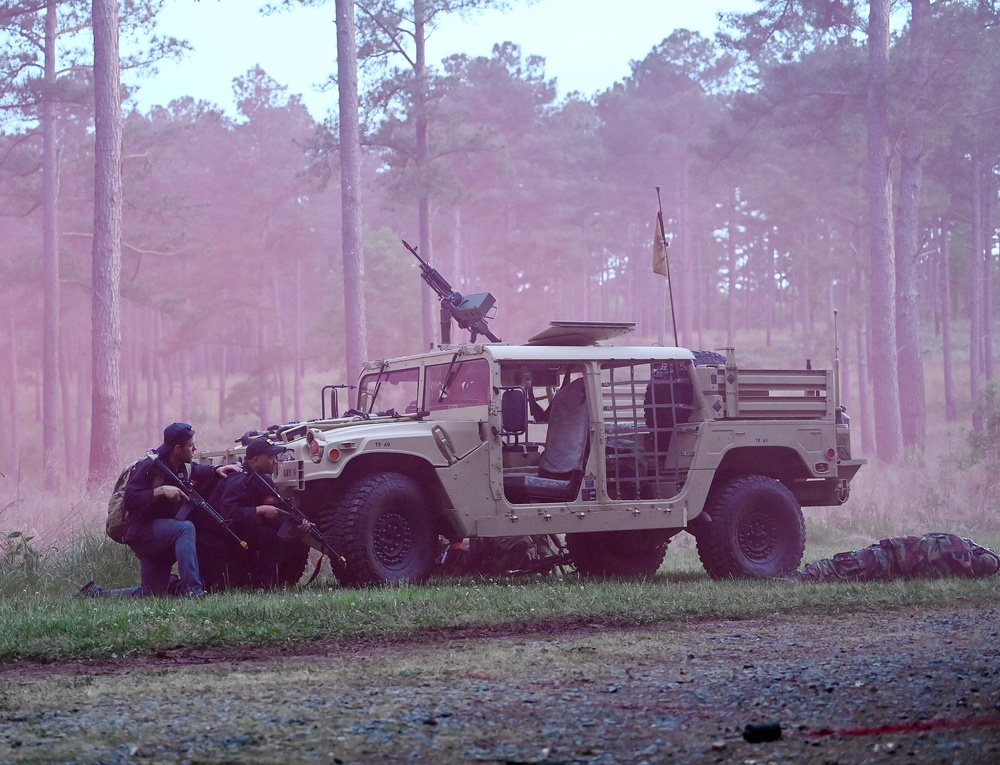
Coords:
575,435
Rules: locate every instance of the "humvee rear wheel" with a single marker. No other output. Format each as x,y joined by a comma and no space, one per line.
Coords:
383,529
757,530
626,554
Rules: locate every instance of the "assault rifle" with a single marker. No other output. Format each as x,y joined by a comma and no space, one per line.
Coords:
469,312
314,538
195,499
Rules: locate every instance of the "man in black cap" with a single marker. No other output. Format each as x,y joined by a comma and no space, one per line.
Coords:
249,504
151,527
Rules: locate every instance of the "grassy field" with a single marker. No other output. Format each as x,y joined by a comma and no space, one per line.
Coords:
46,623
49,546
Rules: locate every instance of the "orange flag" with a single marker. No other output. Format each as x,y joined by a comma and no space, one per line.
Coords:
659,250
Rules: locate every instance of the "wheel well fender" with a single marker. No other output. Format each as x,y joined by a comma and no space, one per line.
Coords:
780,462
414,467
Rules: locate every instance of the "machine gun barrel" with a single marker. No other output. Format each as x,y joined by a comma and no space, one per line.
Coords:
318,539
196,499
433,277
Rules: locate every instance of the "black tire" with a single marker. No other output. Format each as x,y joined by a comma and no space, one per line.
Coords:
294,557
625,554
757,530
383,529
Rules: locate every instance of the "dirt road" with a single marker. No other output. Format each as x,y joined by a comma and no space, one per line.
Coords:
845,688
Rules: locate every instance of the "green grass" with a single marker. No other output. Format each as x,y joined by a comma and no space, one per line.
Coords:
52,626
39,618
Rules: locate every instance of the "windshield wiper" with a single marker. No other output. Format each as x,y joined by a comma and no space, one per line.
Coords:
378,384
449,378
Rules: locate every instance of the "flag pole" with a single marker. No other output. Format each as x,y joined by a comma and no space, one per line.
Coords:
663,244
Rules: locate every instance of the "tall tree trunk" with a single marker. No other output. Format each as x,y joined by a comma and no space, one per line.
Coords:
223,369
130,349
807,310
844,353
13,434
912,397
350,190
257,367
769,298
279,345
279,370
71,449
422,159
82,421
50,255
888,429
300,332
864,397
731,295
185,373
106,331
458,269
150,351
844,299
989,202
38,392
682,271
950,410
159,372
976,296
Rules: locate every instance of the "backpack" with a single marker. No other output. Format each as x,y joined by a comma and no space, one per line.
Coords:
115,525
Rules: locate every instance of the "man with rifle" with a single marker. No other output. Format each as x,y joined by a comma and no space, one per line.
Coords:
154,498
251,502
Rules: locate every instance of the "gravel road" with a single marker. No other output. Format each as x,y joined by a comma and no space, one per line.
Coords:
845,688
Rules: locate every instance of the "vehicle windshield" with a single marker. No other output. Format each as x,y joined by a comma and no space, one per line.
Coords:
394,391
456,385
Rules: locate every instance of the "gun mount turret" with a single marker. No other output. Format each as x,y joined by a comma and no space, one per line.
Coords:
469,311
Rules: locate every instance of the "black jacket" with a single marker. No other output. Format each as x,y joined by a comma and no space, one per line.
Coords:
142,509
240,497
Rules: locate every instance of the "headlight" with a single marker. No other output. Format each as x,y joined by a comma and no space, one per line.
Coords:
314,447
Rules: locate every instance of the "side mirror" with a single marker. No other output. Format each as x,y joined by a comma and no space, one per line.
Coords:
514,412
334,405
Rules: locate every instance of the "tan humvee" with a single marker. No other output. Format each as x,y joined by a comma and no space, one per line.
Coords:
616,447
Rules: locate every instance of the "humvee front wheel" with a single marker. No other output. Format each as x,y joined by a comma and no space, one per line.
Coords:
383,529
757,530
626,554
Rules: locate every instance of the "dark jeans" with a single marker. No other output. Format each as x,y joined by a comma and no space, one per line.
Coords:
172,541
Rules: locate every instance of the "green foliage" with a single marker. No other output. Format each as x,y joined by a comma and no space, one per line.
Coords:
20,561
57,570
